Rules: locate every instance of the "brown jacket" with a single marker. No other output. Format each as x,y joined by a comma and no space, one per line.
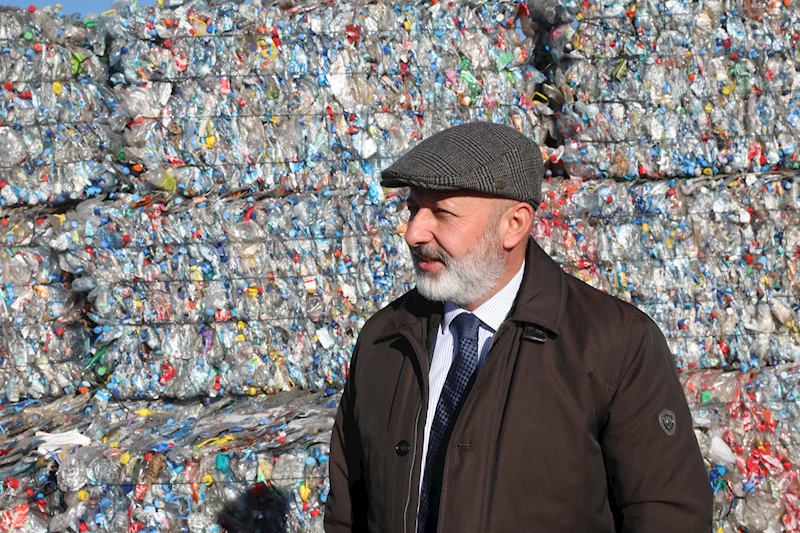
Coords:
566,429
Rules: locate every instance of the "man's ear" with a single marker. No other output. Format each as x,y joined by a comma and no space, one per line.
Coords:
519,217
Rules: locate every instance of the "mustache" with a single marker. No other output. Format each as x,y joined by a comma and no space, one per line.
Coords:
428,251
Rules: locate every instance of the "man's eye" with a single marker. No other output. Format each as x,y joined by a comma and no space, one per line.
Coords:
440,211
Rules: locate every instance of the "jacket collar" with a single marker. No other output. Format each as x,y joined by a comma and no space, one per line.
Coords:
413,310
542,296
541,299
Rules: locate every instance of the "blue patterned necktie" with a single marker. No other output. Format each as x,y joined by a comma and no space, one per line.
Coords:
452,398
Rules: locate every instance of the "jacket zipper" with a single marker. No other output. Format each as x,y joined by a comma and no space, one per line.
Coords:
414,346
411,470
416,426
444,477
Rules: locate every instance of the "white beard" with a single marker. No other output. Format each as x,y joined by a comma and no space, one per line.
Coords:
464,280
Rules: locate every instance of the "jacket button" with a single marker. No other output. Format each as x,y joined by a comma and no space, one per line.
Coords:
402,448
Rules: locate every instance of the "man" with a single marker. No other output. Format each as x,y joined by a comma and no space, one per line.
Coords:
503,395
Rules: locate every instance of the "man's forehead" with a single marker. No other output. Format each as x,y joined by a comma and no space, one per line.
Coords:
419,194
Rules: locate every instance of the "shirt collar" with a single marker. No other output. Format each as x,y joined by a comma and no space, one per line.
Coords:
494,310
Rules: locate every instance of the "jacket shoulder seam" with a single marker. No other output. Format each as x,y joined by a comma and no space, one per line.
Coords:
618,353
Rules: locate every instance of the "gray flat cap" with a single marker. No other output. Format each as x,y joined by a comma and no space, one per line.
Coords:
477,156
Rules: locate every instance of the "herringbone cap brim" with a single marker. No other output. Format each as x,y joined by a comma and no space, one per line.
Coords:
477,156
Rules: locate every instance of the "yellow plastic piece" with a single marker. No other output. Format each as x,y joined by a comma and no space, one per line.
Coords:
125,458
208,480
210,140
41,290
57,87
216,440
539,98
305,491
203,24
83,495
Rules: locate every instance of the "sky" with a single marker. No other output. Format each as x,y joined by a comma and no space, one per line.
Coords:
69,6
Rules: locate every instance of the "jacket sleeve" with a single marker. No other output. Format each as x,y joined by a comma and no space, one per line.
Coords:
346,506
657,480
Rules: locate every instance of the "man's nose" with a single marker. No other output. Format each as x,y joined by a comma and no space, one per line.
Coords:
419,228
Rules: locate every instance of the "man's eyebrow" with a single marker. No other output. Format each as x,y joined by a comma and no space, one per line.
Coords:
446,203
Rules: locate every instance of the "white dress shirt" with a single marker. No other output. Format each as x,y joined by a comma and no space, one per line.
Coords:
491,314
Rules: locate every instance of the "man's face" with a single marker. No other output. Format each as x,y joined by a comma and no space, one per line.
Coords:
455,243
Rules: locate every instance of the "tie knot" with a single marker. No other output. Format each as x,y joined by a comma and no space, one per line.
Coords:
467,326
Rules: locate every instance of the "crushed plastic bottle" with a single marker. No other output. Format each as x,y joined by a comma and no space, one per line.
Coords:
232,294
93,463
746,425
90,463
223,233
244,96
671,89
57,142
270,292
44,342
712,261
